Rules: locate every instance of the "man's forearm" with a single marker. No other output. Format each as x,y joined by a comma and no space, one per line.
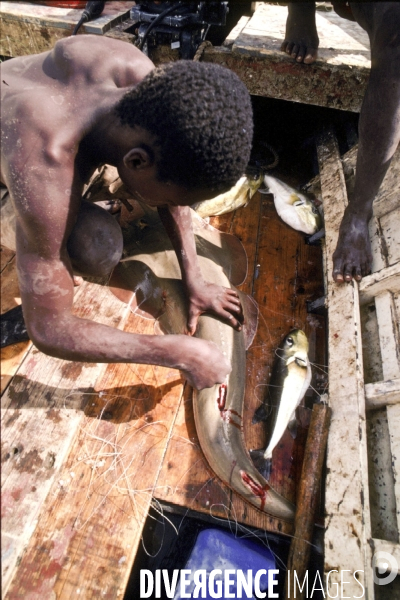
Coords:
177,221
72,338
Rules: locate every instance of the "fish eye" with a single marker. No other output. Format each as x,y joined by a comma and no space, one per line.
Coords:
289,340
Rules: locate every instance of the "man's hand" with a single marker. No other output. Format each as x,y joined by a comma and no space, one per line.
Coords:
204,364
217,300
352,257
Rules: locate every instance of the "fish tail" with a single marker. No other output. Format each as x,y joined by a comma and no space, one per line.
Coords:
262,464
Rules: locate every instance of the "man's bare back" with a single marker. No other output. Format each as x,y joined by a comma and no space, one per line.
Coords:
58,126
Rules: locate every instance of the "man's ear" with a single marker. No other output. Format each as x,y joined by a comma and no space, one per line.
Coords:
138,158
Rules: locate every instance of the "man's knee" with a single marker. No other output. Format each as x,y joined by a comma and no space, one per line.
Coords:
95,244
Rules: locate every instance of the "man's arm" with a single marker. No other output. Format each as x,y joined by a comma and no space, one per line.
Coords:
203,296
47,210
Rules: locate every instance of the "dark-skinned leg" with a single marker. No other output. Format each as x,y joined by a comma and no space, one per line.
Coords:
95,244
301,38
379,135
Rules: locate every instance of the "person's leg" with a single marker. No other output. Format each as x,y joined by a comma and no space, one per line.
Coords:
379,135
301,38
95,244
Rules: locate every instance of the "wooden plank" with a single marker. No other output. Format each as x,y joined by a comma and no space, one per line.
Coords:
338,79
380,476
382,393
388,334
43,403
347,497
30,463
30,28
231,37
388,548
393,413
385,280
340,42
91,523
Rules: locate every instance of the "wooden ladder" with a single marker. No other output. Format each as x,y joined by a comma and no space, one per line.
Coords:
352,552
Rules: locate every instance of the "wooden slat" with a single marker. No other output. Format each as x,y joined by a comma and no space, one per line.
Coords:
387,547
380,475
388,334
385,280
30,28
91,523
43,404
236,31
338,79
393,413
347,498
382,393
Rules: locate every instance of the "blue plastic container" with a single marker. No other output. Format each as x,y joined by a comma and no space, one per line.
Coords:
219,550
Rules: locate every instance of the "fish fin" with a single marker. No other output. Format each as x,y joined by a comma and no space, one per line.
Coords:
262,464
13,329
250,313
292,426
261,414
134,283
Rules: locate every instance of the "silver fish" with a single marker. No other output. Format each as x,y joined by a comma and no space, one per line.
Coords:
290,379
152,275
294,208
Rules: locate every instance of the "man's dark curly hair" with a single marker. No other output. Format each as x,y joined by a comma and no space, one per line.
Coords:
202,118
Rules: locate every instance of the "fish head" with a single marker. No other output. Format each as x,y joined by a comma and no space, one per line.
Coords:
294,208
295,348
305,213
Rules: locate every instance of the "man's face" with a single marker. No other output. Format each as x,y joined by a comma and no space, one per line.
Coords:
148,189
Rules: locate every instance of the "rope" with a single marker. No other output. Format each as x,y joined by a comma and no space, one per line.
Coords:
200,50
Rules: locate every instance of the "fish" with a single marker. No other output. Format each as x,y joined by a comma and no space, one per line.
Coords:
290,379
149,280
239,195
293,207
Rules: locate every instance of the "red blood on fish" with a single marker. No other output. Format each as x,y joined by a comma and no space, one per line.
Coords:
257,489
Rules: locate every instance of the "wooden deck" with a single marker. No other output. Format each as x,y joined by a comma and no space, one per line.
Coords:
87,448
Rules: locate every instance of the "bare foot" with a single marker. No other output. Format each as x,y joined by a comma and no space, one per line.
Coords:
352,257
301,38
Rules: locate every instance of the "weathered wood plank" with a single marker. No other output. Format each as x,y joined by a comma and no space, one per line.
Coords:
385,280
388,548
382,393
91,523
393,413
388,334
236,31
380,475
43,404
340,42
347,498
338,79
30,28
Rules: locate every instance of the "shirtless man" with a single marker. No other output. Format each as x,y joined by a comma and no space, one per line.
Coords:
177,135
379,125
